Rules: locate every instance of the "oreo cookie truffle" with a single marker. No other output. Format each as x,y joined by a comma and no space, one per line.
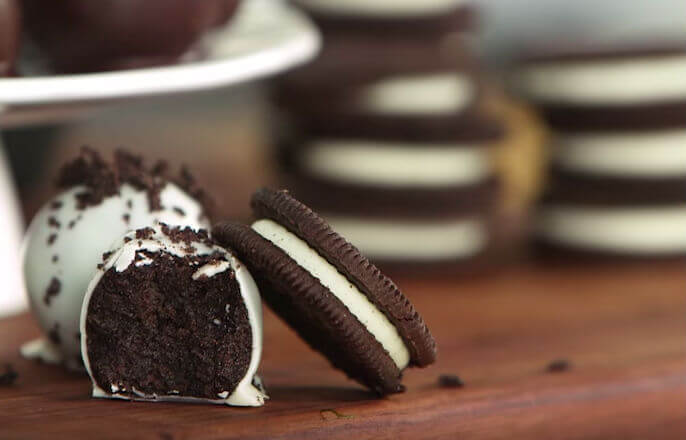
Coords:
9,35
336,300
171,316
100,201
607,88
85,36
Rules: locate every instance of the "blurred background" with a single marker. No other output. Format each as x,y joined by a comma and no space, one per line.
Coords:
240,138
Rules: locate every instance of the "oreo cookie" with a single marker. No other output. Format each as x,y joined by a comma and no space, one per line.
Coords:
612,216
413,78
336,300
606,88
355,59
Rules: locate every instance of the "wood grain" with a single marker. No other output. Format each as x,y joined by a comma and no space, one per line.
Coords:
622,327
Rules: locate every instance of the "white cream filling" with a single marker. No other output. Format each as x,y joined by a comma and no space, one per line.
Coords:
635,230
367,313
125,252
630,81
211,269
404,240
650,154
430,94
396,163
382,8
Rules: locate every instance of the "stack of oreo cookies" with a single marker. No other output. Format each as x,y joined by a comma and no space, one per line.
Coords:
617,184
386,134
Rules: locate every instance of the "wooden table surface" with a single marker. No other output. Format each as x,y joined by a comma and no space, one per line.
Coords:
622,328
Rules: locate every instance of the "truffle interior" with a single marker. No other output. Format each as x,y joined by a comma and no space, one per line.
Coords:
153,329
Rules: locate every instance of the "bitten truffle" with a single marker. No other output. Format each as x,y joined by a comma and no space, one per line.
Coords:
172,316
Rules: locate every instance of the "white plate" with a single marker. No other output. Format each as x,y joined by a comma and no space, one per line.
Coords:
266,37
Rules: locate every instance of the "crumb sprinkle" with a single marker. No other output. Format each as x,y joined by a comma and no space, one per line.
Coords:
9,376
53,222
54,334
558,366
450,381
52,290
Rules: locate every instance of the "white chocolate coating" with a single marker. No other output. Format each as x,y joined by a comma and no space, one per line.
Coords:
382,8
394,164
124,255
619,81
632,230
79,250
641,155
13,299
405,240
421,94
359,305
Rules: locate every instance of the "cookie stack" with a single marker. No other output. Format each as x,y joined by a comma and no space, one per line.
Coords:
386,136
617,183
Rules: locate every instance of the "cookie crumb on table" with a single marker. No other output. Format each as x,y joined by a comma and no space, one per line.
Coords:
450,381
558,366
9,376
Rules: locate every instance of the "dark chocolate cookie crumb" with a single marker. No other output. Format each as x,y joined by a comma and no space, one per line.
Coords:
558,366
89,170
179,211
450,381
55,258
52,290
186,181
129,204
56,205
9,376
51,239
102,179
54,334
52,222
71,224
145,233
186,235
126,218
